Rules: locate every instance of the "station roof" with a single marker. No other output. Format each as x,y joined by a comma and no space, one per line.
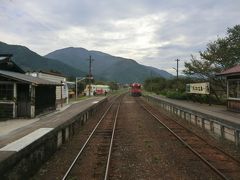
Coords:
27,78
232,71
52,73
8,65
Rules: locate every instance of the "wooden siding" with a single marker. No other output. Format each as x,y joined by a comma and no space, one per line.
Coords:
6,110
233,105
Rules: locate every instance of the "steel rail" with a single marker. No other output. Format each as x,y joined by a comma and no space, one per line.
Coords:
187,145
89,137
111,143
213,146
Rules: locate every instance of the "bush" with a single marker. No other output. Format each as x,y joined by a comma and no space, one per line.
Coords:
164,92
205,99
176,95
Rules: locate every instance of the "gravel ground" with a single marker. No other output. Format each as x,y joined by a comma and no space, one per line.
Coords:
56,167
143,149
213,139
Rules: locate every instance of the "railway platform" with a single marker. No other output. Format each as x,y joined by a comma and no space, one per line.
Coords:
218,111
24,140
11,130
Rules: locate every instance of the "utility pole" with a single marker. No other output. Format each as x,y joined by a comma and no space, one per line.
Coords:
177,72
90,77
177,66
151,81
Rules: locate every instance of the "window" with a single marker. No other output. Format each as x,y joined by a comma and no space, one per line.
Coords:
6,91
234,89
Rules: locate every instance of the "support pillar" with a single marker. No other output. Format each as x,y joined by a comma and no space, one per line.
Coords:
32,100
236,134
15,100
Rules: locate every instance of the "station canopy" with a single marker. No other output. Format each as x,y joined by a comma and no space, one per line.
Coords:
27,78
232,71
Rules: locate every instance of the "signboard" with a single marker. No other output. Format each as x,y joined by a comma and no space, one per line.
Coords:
198,88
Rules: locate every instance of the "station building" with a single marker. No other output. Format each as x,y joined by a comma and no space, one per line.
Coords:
23,95
61,91
233,87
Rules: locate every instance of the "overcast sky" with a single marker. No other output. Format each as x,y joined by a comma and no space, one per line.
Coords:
152,32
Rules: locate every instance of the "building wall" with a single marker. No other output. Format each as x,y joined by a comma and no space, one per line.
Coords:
51,77
233,105
233,93
8,108
45,99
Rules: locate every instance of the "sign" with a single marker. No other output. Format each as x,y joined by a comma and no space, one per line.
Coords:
198,88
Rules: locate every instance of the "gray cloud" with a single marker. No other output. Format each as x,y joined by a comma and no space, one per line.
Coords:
153,32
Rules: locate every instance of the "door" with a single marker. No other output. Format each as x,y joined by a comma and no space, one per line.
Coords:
23,100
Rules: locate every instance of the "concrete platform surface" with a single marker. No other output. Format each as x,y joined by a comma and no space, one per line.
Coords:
26,140
13,124
218,111
13,130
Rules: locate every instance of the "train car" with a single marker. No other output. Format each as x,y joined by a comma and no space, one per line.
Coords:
135,89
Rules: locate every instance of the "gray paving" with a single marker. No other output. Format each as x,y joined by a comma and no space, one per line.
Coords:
218,111
10,125
11,131
26,140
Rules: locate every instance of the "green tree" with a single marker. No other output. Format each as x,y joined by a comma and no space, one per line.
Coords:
155,84
220,54
113,85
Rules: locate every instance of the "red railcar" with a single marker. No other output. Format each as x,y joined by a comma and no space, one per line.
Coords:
136,89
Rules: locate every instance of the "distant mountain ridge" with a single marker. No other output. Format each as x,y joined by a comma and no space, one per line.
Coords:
108,67
73,62
31,61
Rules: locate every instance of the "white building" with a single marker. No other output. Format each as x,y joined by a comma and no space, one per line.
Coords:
96,89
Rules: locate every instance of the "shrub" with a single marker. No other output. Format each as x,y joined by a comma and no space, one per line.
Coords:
176,95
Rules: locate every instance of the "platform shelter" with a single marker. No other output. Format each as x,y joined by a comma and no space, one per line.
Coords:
25,96
22,95
233,87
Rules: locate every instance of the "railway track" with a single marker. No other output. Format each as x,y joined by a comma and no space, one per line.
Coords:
223,164
101,136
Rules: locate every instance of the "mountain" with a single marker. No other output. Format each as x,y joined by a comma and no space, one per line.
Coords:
159,71
105,66
73,62
31,61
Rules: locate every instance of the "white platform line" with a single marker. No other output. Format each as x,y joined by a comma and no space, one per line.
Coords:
26,140
95,102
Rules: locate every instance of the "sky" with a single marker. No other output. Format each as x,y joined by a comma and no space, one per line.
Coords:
152,32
